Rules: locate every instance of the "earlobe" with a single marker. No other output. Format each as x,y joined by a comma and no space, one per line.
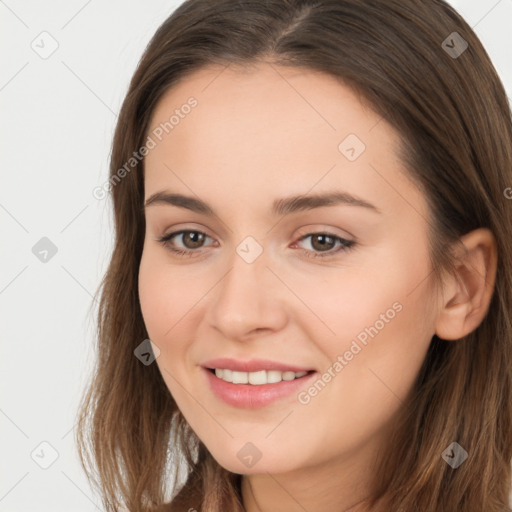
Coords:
467,294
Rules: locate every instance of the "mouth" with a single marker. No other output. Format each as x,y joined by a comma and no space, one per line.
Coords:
257,378
255,384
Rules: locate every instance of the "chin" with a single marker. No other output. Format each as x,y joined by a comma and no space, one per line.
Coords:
248,460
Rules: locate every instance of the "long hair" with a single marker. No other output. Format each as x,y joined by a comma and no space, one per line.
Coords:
448,104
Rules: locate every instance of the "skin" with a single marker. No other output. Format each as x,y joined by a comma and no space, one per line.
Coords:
256,135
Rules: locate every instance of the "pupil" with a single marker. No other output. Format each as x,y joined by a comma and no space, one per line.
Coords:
193,239
325,242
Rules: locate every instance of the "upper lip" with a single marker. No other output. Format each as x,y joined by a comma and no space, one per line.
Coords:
252,365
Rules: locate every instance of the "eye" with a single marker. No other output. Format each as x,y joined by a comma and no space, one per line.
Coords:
322,245
325,245
190,241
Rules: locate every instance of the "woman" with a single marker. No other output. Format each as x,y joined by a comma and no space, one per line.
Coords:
308,303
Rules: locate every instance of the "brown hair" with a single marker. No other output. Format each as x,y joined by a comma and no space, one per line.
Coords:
454,118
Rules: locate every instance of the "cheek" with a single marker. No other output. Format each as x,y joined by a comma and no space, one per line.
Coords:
167,293
167,297
384,328
155,296
171,299
340,305
361,394
380,319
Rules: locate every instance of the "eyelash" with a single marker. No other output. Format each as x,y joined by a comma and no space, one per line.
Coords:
345,245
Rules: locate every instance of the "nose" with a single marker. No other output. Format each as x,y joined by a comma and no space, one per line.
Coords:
249,299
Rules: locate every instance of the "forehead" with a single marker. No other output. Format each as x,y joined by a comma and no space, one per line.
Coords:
272,127
260,92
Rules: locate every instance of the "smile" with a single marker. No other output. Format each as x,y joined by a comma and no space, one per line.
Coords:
257,378
255,384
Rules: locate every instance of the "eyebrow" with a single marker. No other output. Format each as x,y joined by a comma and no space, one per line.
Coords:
280,207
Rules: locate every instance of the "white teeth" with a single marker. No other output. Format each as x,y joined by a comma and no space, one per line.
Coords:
240,378
257,378
274,376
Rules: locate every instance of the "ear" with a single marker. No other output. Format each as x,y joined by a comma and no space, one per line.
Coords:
467,293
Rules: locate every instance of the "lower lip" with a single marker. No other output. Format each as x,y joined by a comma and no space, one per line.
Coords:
248,396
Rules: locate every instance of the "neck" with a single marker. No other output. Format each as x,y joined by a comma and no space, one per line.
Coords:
313,489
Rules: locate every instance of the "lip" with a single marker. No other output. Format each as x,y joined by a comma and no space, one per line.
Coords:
247,396
253,365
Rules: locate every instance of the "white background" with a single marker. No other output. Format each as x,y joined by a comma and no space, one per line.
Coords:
58,117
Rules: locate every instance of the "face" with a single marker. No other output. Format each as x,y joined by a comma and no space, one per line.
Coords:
329,293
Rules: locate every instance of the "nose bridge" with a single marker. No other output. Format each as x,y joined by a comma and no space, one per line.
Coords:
246,298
